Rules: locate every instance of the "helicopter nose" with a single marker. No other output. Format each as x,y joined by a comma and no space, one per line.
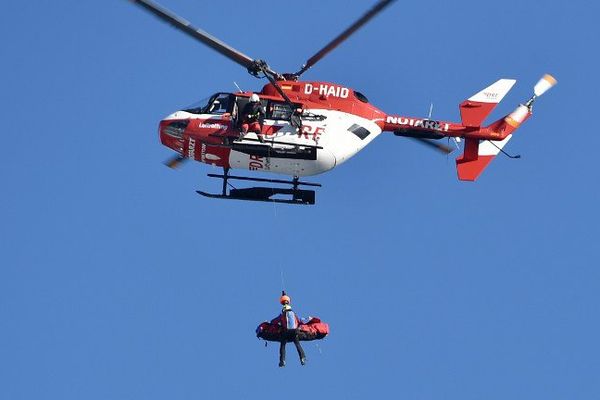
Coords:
171,133
174,128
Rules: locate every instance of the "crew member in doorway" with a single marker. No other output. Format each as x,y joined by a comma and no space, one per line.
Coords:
288,321
252,117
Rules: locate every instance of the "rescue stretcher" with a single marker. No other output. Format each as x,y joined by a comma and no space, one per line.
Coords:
313,329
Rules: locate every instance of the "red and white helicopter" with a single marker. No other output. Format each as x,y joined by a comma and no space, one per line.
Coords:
312,127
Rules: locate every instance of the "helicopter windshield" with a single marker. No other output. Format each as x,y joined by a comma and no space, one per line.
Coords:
198,106
219,103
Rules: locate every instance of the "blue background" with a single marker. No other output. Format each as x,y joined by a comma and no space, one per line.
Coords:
117,281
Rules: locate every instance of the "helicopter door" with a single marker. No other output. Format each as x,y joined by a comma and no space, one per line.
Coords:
240,103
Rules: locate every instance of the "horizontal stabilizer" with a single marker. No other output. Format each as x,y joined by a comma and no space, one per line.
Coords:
475,109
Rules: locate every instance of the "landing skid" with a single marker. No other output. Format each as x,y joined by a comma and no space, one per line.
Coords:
265,194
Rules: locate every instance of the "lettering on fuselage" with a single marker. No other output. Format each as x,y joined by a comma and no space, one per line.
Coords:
191,148
311,132
203,152
326,90
419,123
212,126
256,163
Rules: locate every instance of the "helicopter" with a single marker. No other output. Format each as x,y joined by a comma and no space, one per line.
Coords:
310,127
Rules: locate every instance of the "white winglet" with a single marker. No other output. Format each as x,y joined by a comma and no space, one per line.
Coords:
495,92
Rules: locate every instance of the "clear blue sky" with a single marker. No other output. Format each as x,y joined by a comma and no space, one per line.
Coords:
117,281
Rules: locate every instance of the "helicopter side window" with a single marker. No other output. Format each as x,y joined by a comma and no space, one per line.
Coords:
361,97
221,104
279,110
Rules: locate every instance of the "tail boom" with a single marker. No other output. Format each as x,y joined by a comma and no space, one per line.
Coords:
482,143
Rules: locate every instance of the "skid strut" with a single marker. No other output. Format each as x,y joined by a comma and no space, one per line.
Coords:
293,195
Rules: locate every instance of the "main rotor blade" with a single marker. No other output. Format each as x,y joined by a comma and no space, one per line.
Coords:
344,35
175,161
196,33
436,146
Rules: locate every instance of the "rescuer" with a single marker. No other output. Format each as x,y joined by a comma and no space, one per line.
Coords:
252,117
288,322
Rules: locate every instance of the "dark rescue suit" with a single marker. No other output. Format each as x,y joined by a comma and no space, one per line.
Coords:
289,324
252,117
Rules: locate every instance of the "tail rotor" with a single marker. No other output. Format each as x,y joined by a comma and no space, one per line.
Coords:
543,85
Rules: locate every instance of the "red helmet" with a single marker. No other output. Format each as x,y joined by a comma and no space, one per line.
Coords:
285,299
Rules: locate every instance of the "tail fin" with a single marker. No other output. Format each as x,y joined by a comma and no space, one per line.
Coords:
474,110
479,153
476,157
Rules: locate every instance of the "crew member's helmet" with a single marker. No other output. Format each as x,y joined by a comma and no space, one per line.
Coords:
285,299
254,98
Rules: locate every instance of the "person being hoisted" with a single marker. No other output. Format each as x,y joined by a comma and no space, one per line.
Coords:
252,117
288,322
287,327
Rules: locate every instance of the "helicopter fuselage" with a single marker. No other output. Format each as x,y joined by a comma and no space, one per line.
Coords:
337,123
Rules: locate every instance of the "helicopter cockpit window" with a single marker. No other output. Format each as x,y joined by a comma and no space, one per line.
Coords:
221,104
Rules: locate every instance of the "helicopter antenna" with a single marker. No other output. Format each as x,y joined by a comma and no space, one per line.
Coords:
430,111
237,86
